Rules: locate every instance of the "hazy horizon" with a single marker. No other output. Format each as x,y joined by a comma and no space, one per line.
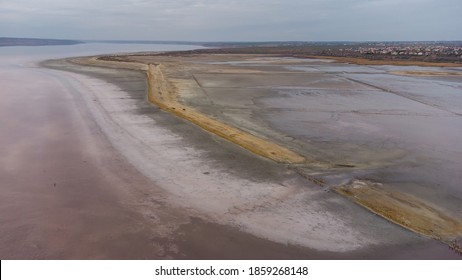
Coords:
233,20
143,41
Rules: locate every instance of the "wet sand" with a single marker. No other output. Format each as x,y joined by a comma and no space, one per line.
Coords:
134,182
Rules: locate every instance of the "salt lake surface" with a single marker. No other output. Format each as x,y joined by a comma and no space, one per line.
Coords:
394,129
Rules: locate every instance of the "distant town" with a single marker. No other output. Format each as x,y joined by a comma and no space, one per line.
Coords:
419,51
438,50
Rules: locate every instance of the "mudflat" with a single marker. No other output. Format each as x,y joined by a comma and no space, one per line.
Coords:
146,177
188,79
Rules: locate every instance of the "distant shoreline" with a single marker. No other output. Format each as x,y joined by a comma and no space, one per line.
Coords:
427,54
10,42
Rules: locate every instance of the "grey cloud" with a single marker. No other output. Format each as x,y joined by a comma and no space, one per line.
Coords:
233,19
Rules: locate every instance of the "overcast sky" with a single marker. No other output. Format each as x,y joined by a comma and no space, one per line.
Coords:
233,20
